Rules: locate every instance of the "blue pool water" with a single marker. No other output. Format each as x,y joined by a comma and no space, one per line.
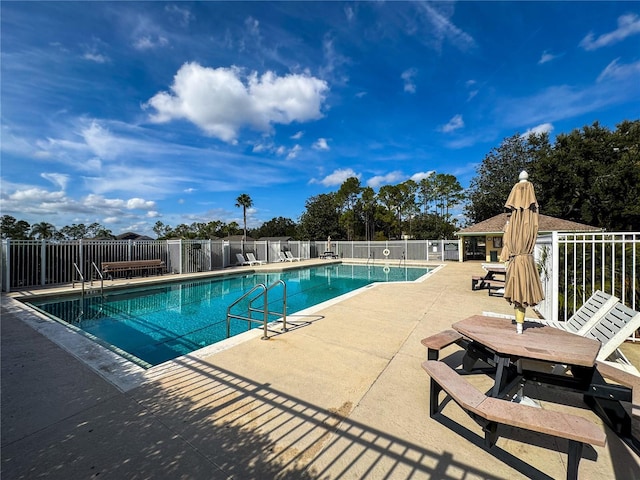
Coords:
153,324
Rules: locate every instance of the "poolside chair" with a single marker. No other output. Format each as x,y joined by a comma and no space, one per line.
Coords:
253,260
241,260
291,257
283,257
591,312
612,330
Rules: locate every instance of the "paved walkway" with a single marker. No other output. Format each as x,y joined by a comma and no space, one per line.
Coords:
341,398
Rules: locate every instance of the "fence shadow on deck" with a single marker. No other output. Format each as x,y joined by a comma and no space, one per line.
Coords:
251,430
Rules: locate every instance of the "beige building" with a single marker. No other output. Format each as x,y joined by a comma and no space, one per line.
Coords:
483,241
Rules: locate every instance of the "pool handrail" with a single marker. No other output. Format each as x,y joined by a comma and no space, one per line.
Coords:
265,310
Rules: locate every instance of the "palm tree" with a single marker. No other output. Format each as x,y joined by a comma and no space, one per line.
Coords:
245,202
43,230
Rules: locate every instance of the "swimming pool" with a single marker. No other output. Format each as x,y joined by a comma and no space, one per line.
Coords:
152,324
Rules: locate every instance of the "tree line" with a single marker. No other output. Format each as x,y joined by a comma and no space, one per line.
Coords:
590,175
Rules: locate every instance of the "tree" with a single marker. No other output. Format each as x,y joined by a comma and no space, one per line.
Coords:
592,176
390,197
367,207
426,192
348,196
245,202
161,230
499,171
74,232
43,231
320,218
448,192
408,207
277,227
211,230
14,229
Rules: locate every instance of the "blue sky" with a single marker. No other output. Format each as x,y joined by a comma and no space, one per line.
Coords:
128,113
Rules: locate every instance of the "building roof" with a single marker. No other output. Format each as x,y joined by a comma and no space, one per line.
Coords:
132,236
546,224
238,238
276,239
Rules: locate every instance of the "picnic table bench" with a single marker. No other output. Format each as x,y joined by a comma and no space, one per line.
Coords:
489,280
491,412
131,266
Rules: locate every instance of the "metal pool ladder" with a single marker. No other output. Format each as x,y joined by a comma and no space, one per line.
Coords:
82,280
262,292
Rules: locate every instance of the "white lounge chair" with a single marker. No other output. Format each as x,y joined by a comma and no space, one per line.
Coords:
253,260
612,330
283,257
291,257
590,313
241,260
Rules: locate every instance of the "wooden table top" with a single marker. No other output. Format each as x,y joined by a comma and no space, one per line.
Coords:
539,342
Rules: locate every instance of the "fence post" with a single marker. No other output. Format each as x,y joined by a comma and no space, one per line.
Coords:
6,244
43,262
80,258
555,274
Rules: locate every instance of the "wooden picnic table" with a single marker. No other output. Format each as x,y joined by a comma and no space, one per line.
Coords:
496,339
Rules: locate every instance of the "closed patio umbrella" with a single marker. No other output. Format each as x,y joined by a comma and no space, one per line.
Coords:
523,287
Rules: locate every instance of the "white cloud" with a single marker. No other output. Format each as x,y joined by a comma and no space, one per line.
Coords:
35,203
441,28
538,130
416,177
337,177
58,179
455,123
253,26
293,153
616,70
101,141
617,84
298,135
349,13
219,102
408,77
99,201
547,57
333,62
391,178
139,203
183,15
96,57
628,25
148,42
321,144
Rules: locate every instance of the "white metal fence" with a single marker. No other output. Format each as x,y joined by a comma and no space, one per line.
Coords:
35,263
573,265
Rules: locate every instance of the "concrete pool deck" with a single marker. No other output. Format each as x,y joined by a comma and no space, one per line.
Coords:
341,398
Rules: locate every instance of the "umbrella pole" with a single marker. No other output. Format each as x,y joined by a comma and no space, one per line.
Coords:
519,318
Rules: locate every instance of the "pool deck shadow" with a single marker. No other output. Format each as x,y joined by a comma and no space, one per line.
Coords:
341,398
